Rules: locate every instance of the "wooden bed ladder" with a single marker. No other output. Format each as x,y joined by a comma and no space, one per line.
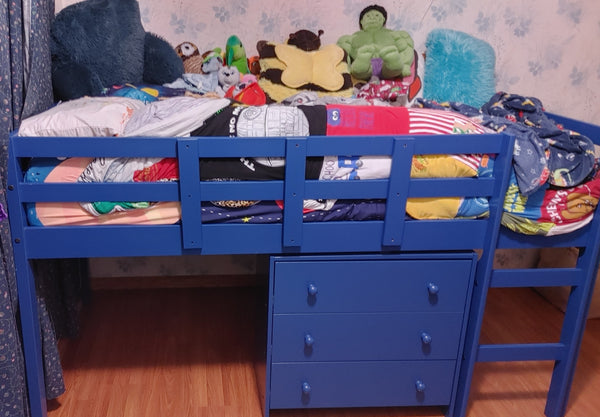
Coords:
580,278
564,353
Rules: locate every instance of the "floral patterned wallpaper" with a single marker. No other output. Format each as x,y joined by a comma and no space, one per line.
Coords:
544,48
549,49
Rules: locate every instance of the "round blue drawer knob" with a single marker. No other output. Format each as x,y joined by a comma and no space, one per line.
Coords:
306,388
419,386
309,340
425,338
312,289
432,288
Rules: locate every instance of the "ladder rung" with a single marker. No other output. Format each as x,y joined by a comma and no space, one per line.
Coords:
520,352
537,277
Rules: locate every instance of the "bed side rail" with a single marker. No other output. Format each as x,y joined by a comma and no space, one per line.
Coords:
389,234
395,232
584,128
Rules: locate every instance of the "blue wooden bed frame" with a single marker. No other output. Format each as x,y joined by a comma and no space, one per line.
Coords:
395,234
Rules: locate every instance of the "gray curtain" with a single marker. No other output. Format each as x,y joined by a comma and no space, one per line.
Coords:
26,89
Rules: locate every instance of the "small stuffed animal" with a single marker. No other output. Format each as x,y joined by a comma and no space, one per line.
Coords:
247,91
190,55
228,77
235,55
211,61
254,65
208,79
377,46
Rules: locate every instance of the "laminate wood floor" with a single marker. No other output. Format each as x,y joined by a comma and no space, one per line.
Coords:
189,352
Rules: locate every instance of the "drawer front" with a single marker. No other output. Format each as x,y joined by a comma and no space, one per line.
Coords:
361,384
365,336
371,286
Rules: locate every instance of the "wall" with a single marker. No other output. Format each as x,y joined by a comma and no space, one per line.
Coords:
544,48
549,49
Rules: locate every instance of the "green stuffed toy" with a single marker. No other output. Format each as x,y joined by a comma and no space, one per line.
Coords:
376,50
235,55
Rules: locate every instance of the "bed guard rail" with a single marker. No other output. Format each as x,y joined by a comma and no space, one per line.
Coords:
191,235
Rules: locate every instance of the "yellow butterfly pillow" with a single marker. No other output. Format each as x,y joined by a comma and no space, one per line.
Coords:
287,70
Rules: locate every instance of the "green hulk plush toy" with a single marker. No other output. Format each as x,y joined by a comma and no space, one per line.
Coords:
376,50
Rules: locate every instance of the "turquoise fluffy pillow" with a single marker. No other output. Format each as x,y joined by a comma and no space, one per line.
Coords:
458,67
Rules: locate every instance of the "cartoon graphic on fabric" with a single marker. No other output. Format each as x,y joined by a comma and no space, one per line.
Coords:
579,204
560,177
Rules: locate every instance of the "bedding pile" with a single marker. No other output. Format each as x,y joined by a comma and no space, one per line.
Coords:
213,117
555,184
544,198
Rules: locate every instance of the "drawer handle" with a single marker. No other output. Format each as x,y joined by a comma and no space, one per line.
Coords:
312,289
432,288
306,388
309,341
420,386
426,338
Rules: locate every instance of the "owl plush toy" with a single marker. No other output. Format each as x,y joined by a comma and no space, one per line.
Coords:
191,57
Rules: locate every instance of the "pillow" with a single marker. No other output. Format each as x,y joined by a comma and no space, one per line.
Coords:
316,67
458,67
85,116
287,70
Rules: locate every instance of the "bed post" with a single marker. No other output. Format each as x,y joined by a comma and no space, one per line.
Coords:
483,276
28,306
579,298
574,324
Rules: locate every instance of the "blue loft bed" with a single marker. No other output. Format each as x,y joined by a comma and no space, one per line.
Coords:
395,235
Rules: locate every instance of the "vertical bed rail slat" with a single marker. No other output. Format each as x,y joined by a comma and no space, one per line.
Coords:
28,306
189,189
295,168
395,209
574,323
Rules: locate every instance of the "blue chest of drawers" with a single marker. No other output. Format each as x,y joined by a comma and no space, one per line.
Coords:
366,330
